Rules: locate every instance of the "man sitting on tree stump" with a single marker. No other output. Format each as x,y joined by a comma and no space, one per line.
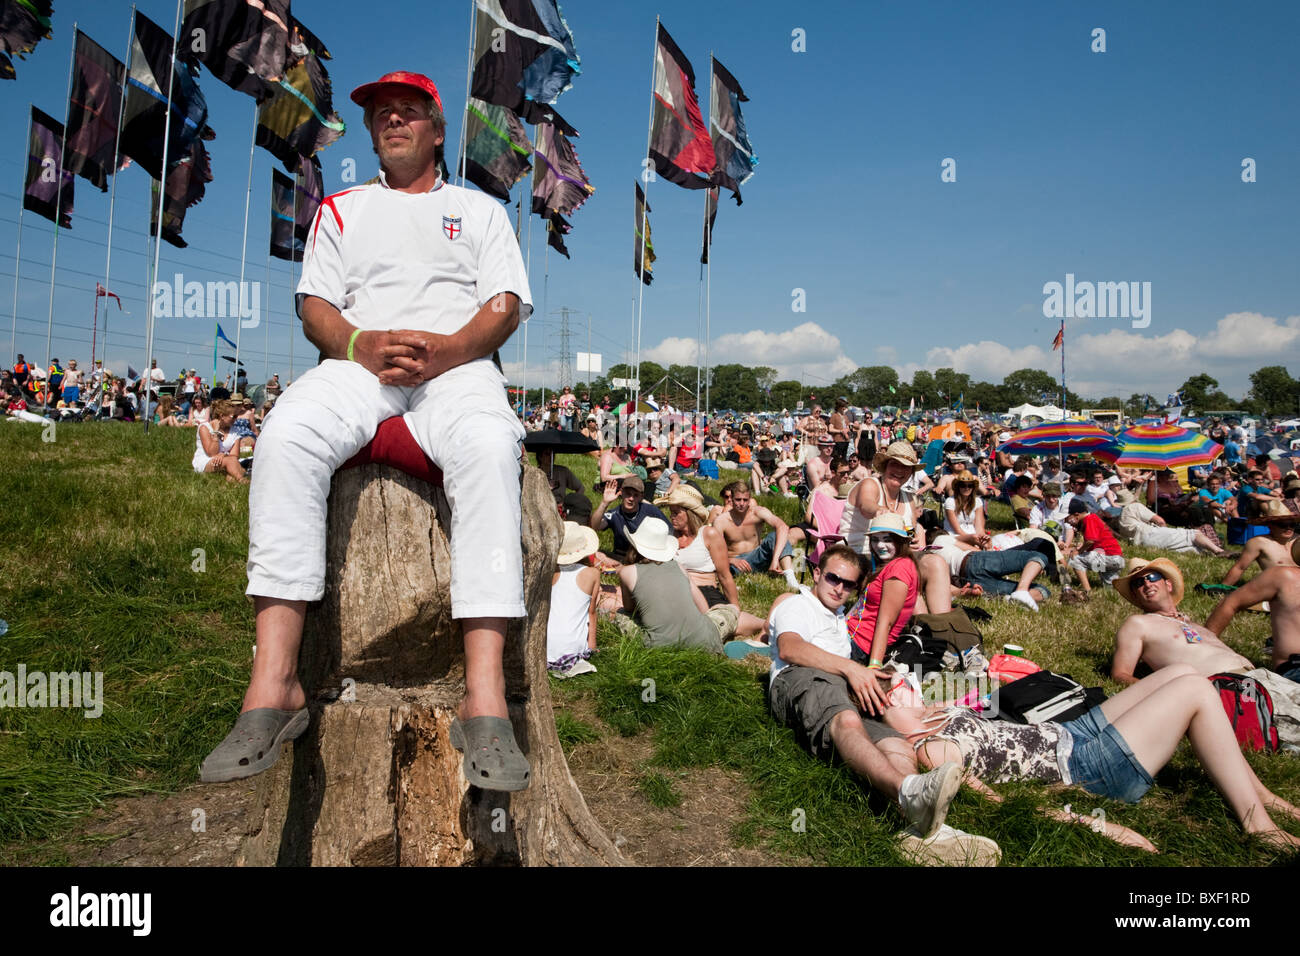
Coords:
408,287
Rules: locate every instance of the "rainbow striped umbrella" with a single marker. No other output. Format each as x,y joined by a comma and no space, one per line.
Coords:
1072,435
1161,446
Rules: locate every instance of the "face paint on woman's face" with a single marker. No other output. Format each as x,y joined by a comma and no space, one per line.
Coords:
884,548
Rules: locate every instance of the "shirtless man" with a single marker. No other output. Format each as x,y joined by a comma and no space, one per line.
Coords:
819,468
1160,635
740,527
1280,587
1271,549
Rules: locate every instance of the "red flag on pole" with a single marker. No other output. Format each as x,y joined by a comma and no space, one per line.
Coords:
1060,338
101,291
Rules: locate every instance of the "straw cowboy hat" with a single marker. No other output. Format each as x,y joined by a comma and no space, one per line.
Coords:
1275,512
1137,567
966,478
888,522
579,542
901,451
686,497
653,540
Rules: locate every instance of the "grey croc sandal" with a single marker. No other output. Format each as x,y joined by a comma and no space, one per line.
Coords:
254,744
492,758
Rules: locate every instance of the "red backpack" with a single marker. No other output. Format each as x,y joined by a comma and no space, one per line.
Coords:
1249,707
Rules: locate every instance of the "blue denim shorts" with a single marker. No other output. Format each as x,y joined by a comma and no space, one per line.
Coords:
1102,762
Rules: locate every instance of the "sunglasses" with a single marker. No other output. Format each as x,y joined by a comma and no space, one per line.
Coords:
838,582
1151,577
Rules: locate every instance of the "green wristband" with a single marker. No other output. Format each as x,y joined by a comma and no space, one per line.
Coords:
351,343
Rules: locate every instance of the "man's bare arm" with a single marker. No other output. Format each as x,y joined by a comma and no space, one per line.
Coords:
1128,651
1262,587
1248,554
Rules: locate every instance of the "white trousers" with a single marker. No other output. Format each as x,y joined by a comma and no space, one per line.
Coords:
460,419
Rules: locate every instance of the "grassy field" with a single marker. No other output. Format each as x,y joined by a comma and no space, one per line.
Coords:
115,557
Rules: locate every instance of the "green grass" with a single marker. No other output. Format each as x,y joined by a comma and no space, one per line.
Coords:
96,574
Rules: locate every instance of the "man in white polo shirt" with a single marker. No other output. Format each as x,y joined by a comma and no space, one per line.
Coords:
408,288
822,694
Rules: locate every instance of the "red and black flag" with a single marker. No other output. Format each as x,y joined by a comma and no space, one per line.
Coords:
48,185
524,56
299,120
93,109
560,185
23,24
679,141
710,214
644,250
244,43
731,146
186,183
144,118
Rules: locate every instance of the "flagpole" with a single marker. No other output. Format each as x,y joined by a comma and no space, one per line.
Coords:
293,285
469,85
162,199
645,208
18,253
1060,448
58,205
243,248
112,196
266,281
708,300
699,311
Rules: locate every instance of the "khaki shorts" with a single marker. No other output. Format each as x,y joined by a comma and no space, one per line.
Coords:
806,699
726,618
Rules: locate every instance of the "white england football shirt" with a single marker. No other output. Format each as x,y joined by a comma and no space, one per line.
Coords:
426,261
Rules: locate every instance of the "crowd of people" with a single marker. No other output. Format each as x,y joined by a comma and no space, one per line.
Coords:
885,539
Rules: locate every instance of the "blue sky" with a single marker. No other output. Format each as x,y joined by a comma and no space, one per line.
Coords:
1115,166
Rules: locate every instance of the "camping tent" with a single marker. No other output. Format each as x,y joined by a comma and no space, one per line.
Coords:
1048,413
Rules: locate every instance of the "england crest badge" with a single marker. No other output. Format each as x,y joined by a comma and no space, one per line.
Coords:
451,226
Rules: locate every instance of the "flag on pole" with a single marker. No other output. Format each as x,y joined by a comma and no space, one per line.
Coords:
731,146
93,105
46,177
223,335
560,184
299,120
285,243
23,24
100,292
710,216
144,117
1060,338
244,43
310,186
186,183
679,141
524,55
497,150
642,210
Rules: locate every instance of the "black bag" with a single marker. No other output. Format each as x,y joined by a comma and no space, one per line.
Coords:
1044,696
916,652
939,642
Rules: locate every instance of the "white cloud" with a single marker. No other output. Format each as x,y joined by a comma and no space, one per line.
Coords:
806,350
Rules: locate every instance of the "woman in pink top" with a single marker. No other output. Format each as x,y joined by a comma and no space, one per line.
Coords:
886,606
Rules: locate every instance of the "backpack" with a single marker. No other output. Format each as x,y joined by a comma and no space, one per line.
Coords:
1044,696
1249,707
939,642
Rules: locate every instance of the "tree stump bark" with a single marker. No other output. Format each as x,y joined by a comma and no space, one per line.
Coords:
375,780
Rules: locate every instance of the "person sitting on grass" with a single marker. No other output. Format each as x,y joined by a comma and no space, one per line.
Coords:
833,705
740,526
885,607
167,413
632,510
659,597
1146,529
818,469
1280,587
1097,551
1113,751
575,585
214,445
1268,549
964,512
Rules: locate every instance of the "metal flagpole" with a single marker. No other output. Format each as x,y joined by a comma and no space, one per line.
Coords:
645,207
293,296
18,253
243,248
708,302
58,207
162,198
469,80
699,313
266,332
112,196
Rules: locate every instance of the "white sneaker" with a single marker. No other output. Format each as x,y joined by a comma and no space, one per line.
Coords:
1025,598
926,810
948,847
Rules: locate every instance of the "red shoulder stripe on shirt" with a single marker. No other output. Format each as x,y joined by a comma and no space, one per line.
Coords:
328,203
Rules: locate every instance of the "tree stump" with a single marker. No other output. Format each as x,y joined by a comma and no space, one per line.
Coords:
375,780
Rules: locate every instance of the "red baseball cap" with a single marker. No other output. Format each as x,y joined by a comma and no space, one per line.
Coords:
362,94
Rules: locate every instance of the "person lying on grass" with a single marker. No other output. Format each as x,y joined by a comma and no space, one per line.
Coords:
1113,751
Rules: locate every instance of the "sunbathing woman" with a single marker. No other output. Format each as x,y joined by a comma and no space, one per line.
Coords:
1113,751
